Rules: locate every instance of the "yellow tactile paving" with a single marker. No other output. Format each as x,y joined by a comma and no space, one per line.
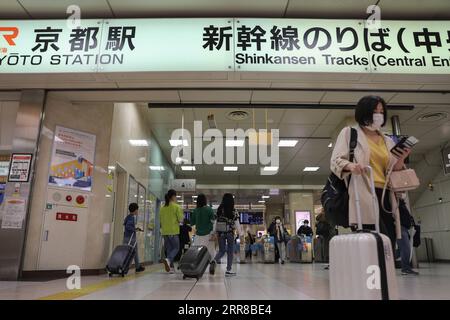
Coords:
110,282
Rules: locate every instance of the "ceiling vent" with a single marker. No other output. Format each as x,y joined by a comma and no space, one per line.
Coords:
237,115
432,116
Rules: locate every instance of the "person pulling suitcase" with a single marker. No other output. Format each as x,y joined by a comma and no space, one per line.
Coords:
362,263
129,234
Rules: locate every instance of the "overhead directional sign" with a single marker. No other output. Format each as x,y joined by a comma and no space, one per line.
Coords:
225,44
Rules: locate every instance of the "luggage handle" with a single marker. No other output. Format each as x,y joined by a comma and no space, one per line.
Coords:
131,238
374,201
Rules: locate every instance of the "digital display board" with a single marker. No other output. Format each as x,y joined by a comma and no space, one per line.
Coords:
251,218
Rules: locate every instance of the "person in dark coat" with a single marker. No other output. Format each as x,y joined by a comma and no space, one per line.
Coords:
185,239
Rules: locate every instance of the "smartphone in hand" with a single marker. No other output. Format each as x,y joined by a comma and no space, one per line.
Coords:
404,143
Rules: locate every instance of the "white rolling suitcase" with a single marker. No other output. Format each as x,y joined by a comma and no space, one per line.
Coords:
362,263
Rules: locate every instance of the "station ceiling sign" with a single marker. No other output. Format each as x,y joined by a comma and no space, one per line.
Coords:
225,44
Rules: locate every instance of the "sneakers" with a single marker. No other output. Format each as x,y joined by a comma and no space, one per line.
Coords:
140,269
212,267
407,272
166,263
230,274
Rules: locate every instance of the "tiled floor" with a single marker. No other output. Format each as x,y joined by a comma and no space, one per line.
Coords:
254,281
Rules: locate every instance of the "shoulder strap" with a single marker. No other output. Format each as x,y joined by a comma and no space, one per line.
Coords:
352,145
353,142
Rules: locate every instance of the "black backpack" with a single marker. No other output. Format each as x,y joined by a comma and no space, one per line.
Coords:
334,196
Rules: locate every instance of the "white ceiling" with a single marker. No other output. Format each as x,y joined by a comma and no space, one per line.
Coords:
233,80
391,9
315,129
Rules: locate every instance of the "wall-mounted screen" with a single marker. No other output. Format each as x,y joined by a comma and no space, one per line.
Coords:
251,218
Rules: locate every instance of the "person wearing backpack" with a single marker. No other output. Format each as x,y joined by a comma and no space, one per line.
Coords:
226,224
372,148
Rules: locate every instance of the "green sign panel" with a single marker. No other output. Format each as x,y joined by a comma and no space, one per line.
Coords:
221,44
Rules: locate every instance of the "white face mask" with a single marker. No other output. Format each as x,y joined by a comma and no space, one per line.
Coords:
377,122
278,221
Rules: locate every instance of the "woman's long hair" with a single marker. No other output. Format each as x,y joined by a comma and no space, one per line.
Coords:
201,200
226,208
169,196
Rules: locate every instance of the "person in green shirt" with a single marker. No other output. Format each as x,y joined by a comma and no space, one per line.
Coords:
203,218
171,216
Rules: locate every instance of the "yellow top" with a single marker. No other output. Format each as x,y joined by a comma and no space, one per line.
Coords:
379,161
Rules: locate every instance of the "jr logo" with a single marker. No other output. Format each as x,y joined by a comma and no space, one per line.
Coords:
74,280
9,34
373,281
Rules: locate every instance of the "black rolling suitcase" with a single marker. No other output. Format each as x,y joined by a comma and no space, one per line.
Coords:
194,262
120,260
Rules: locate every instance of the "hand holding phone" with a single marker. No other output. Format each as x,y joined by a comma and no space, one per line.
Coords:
404,146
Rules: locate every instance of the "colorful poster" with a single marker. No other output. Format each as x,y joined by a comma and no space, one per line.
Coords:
72,163
301,216
13,213
20,167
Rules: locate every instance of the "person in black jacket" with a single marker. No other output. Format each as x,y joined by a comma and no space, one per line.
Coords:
278,232
185,239
323,230
305,229
406,222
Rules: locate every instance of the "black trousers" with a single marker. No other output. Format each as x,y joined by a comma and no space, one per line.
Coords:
387,222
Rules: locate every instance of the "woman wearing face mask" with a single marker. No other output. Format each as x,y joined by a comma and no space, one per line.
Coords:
372,149
278,232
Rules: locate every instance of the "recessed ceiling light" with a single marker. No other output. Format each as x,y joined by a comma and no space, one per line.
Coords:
176,143
188,168
270,168
157,168
265,197
287,143
234,143
139,143
330,145
311,169
230,168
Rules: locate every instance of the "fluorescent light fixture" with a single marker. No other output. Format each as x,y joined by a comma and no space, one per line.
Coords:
230,168
139,143
330,145
287,143
234,143
157,168
274,192
311,169
111,168
188,168
194,197
265,197
261,201
178,196
176,143
270,168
